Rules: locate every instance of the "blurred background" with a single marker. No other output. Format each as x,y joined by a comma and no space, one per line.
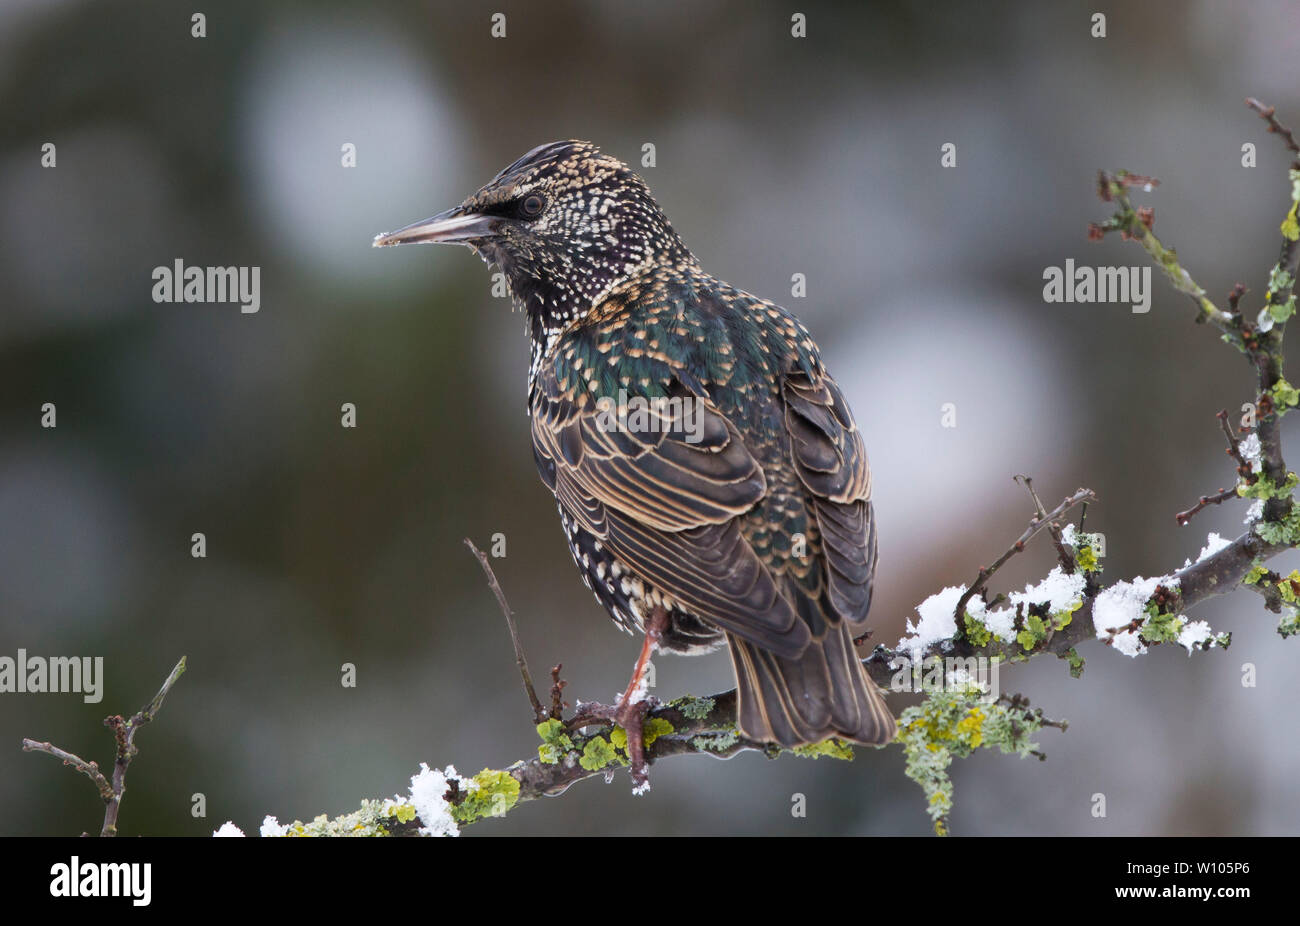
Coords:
775,156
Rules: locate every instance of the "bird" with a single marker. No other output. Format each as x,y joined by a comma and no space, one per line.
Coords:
712,484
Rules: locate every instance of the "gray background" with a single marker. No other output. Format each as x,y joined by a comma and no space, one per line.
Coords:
775,156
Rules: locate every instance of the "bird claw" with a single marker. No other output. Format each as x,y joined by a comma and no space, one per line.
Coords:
631,717
632,706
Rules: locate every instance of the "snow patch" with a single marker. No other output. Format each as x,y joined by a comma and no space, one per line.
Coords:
1121,605
1251,451
936,622
1213,544
1060,591
272,827
1195,633
1001,622
428,787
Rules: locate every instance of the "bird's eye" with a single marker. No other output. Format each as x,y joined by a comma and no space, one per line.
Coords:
532,206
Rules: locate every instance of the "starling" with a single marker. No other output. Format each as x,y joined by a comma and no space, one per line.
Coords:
712,484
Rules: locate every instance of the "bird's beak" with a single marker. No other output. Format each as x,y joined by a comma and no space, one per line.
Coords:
450,227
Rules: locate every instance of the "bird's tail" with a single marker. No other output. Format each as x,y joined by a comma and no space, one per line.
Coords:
823,692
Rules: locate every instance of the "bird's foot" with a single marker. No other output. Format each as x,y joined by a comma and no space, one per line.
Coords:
632,706
630,716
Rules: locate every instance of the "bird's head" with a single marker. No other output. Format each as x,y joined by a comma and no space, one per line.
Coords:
565,223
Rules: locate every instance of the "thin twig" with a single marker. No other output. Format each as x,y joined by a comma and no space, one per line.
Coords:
1037,524
1205,501
1234,296
1266,113
1062,551
539,712
89,769
1135,224
1244,469
557,692
147,713
124,732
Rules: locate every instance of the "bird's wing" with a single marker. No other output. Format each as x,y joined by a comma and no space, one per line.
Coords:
829,457
667,507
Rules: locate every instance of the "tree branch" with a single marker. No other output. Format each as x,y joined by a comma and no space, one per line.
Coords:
124,731
1044,519
538,711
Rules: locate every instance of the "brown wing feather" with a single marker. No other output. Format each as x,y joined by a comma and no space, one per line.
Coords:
667,508
657,476
831,461
824,690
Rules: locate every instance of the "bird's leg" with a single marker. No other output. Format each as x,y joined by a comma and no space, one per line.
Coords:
630,711
632,707
655,626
